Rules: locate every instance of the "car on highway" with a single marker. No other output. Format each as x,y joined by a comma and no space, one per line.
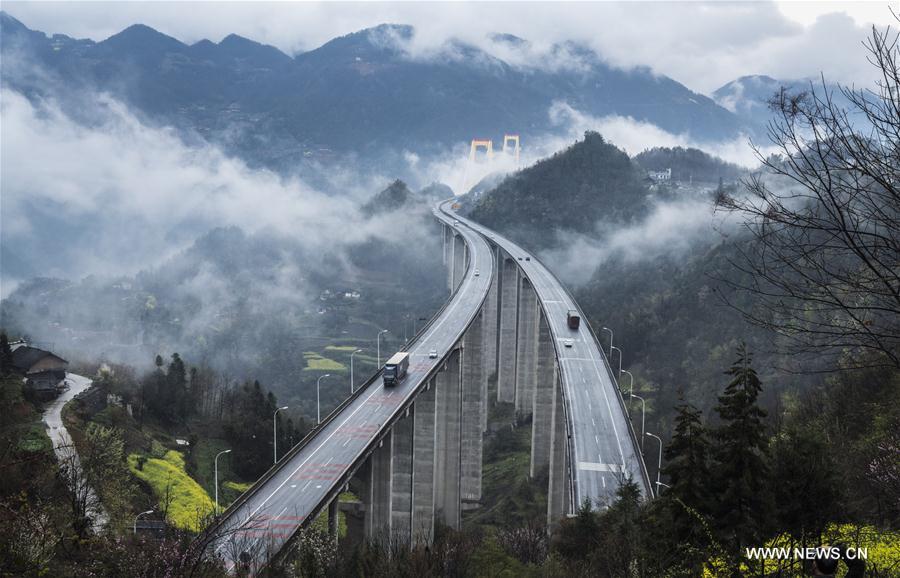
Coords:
477,272
528,258
569,342
432,354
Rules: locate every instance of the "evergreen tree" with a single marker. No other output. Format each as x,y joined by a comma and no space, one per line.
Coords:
6,358
740,462
807,493
175,388
688,499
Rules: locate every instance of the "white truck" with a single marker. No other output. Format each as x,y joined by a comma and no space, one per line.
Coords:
395,368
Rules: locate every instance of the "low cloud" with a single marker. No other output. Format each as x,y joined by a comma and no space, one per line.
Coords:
635,136
670,229
118,195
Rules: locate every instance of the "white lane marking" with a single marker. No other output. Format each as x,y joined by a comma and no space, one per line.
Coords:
593,423
347,441
603,479
600,467
306,485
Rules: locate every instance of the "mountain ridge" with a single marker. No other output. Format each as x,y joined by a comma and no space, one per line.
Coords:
359,93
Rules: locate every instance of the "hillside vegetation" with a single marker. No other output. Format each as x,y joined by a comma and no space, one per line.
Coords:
590,182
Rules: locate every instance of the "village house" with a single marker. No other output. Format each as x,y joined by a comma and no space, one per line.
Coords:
44,372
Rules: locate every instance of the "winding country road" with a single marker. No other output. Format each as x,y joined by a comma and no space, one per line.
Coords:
64,447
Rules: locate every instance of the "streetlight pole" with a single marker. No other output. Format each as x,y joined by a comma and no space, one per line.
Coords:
351,369
643,415
613,347
134,527
659,462
216,466
275,434
318,407
630,381
378,344
610,339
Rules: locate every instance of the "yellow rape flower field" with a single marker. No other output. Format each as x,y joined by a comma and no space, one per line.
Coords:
189,503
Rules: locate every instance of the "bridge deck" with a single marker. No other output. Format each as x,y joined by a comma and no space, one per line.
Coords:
274,508
603,447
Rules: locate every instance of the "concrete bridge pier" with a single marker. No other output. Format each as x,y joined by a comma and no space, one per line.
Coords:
509,304
460,258
545,390
378,511
473,413
447,441
423,466
526,348
490,326
402,478
557,494
333,518
448,256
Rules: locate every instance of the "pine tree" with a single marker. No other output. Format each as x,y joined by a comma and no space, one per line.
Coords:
688,499
6,357
176,382
740,463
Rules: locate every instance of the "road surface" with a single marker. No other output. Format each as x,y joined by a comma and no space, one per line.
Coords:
273,511
64,447
601,440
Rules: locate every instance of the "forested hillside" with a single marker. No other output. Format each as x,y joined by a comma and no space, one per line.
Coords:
796,443
589,183
688,164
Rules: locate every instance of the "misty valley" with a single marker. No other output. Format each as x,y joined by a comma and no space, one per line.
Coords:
407,289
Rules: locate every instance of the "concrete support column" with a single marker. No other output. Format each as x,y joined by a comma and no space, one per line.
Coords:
545,390
509,304
450,251
444,245
459,260
447,442
402,479
473,411
333,518
558,489
423,466
378,515
526,348
491,326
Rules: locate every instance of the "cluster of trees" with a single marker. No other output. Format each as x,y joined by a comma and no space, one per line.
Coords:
201,399
688,164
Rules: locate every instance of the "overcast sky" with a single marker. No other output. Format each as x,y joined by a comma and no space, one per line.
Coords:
701,44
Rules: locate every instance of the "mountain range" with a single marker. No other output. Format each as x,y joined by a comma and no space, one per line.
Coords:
364,93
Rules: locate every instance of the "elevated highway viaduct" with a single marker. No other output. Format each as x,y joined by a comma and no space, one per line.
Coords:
412,453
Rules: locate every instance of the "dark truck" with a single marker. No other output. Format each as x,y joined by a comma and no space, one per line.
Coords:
573,319
395,368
